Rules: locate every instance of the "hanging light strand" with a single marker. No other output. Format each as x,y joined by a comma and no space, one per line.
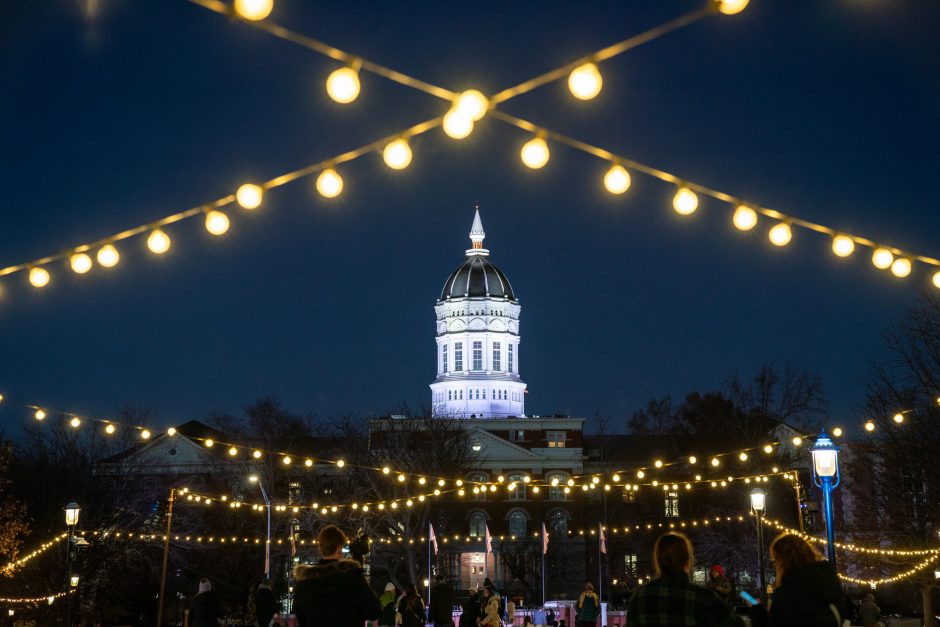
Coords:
851,547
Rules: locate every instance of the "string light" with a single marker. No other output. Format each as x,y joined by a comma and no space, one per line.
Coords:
80,263
330,183
256,454
732,7
780,234
217,223
145,434
685,202
40,414
936,279
869,426
837,432
535,153
171,431
397,154
457,123
843,245
743,456
472,103
109,429
901,267
158,242
768,449
693,460
744,218
715,462
882,258
108,256
898,418
254,10
617,179
797,440
343,85
233,451
585,81
75,423
249,196
39,277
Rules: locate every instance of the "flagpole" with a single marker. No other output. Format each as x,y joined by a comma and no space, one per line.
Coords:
600,583
543,565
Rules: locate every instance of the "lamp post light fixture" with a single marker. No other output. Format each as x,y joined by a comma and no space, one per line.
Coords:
73,581
826,476
267,546
72,510
758,505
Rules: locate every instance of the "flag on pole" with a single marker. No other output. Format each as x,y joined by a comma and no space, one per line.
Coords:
432,537
488,540
603,539
544,539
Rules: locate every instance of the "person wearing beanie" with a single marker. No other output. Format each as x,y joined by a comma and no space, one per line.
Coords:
205,609
265,605
387,603
720,585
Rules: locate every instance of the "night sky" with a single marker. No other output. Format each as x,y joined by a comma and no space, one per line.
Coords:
826,109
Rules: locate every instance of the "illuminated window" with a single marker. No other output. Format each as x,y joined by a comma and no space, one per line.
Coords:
672,505
509,357
497,356
556,439
478,356
629,564
444,358
458,356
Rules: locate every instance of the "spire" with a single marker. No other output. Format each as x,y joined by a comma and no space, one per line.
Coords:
477,235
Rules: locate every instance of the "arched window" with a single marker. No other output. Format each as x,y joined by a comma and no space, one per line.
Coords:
517,524
556,482
517,494
478,524
478,492
558,524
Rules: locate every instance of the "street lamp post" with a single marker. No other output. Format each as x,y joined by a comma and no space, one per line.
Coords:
758,504
71,519
826,476
267,546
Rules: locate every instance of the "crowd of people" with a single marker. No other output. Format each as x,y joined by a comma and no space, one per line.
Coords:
335,592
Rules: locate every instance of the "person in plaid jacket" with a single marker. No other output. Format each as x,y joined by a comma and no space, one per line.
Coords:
671,599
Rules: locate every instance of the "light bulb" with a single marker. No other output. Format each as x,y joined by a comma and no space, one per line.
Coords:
397,154
145,434
158,242
329,183
585,81
249,196
901,267
217,222
899,418
744,218
40,414
171,431
209,442
254,10
80,262
769,449
457,123
286,461
843,245
869,426
75,423
797,440
343,85
617,179
535,153
715,461
256,454
109,429
233,451
39,277
882,258
108,256
731,7
936,283
685,201
693,459
658,463
780,234
473,103
837,432
743,456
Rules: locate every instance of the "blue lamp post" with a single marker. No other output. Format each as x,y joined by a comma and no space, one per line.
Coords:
826,476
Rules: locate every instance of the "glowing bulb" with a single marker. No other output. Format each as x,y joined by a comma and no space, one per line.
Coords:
254,10
899,418
535,153
386,470
39,277
343,85
744,218
329,183
397,154
693,459
457,123
145,434
473,103
171,431
869,426
256,454
617,179
901,267
286,461
658,463
585,81
797,440
780,234
743,456
40,414
75,423
308,463
843,245
769,449
108,256
80,262
217,222
731,7
210,443
685,201
837,432
882,258
640,474
233,451
109,429
715,461
158,242
249,196
936,282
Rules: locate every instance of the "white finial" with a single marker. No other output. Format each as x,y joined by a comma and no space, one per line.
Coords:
477,235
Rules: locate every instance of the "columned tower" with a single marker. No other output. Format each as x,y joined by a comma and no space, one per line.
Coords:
477,340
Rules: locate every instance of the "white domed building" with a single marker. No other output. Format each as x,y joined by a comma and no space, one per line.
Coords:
478,340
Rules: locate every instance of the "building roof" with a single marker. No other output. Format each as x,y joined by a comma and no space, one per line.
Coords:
477,278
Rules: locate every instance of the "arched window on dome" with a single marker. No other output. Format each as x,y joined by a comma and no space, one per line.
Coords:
477,522
518,522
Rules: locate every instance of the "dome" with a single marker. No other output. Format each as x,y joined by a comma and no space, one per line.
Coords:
477,278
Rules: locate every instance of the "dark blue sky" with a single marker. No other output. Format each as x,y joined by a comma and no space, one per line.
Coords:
827,109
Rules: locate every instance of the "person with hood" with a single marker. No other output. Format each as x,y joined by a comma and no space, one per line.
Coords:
442,604
589,607
868,612
808,591
205,609
471,611
489,612
671,598
265,606
411,608
720,585
387,603
334,591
